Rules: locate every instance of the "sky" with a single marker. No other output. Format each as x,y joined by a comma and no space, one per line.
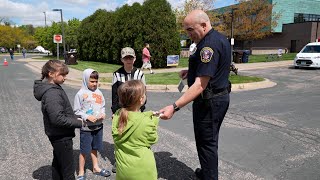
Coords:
23,12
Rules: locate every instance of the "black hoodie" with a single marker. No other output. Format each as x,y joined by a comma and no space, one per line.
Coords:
58,116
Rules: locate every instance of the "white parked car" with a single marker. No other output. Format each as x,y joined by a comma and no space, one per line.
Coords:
40,49
309,56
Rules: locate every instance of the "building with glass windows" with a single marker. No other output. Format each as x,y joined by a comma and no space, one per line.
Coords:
299,24
295,11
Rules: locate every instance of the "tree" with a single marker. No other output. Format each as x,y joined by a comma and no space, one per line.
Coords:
189,5
28,41
5,21
103,34
8,37
131,30
44,36
29,29
93,39
72,31
160,30
252,20
12,36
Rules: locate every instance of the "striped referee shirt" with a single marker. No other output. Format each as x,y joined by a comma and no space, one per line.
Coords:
120,76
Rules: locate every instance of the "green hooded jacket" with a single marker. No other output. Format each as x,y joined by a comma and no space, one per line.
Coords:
135,160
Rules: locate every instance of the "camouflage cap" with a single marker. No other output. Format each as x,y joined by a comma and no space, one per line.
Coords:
127,51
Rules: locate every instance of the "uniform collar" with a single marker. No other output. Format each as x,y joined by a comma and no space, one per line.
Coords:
211,31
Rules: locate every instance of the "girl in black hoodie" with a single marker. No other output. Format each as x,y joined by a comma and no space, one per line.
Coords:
58,116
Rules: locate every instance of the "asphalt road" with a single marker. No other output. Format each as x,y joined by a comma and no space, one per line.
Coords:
267,134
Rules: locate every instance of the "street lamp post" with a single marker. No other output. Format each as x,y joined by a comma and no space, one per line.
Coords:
317,30
232,40
63,36
45,19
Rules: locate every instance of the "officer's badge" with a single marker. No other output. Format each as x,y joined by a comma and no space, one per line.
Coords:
206,54
193,48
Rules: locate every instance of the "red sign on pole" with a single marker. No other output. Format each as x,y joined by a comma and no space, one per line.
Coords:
57,38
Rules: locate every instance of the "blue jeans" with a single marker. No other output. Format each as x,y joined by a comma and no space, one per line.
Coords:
11,56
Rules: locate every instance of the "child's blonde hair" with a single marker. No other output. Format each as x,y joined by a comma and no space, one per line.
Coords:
130,94
54,66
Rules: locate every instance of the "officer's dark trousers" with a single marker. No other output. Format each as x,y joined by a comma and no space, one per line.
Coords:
207,118
62,164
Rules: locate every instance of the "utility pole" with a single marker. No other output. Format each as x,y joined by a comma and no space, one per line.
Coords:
317,30
63,36
45,19
232,40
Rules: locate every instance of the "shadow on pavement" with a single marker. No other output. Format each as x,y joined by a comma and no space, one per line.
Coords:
305,68
170,168
108,152
43,173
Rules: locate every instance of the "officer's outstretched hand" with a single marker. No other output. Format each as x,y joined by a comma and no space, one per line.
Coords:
167,112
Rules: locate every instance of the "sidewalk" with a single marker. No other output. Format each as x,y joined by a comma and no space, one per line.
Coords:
74,76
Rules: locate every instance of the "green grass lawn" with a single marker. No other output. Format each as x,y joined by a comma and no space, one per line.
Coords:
109,68
82,65
252,59
158,78
263,58
98,66
172,78
183,62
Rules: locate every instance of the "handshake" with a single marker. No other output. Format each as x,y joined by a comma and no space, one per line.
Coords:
157,113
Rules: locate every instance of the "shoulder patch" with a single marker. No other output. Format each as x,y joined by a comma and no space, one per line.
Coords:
206,54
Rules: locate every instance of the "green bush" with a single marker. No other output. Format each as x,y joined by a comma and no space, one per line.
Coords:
103,34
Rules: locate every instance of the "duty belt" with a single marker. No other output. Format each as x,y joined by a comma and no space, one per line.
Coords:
211,93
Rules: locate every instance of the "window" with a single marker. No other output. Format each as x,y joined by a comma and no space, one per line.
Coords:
299,17
311,49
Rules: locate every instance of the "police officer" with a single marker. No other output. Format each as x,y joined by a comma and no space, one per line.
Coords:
208,83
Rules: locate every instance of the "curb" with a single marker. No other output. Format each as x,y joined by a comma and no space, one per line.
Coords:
174,88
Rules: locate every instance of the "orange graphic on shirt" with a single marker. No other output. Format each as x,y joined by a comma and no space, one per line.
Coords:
85,96
98,98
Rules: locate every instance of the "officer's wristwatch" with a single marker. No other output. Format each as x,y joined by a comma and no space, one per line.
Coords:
175,107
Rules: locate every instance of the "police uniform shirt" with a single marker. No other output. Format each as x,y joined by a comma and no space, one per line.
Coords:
212,57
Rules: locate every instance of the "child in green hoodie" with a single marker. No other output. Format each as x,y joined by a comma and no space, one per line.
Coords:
133,133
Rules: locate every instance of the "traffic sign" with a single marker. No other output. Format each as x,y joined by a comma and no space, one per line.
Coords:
57,38
232,41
